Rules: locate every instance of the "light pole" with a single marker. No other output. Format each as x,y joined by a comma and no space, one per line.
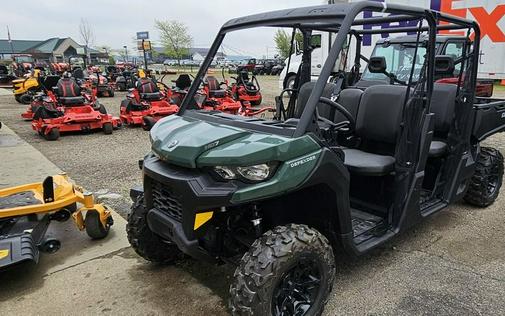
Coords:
126,53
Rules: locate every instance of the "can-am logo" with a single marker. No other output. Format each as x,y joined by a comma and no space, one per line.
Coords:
302,161
487,20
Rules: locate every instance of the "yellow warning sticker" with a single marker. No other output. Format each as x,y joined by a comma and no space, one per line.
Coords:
4,253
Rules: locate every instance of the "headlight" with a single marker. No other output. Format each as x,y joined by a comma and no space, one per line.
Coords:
254,173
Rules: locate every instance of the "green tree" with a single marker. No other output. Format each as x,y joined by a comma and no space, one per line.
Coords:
282,41
175,38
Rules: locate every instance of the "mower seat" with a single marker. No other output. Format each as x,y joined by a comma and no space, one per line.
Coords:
147,86
443,103
377,124
215,90
183,82
154,96
72,100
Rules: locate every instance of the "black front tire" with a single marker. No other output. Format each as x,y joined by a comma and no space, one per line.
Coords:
485,183
108,128
145,243
53,135
94,226
263,270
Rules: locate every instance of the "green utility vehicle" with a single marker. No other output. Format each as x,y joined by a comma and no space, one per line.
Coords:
338,168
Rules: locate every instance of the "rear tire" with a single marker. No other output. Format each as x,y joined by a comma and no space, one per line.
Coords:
107,128
257,102
274,261
485,183
25,98
53,134
148,123
94,226
145,243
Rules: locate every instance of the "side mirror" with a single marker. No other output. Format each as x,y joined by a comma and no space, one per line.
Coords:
444,65
377,64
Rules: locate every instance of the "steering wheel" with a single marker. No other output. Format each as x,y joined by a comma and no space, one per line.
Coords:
350,124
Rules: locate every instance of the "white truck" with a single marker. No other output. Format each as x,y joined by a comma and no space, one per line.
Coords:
490,14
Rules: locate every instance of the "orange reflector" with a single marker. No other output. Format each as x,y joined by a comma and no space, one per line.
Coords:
202,218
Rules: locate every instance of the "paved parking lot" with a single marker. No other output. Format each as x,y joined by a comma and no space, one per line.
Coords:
453,263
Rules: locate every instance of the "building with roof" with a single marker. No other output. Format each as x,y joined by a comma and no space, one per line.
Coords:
51,50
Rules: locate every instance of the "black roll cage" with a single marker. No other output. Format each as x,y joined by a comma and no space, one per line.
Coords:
339,19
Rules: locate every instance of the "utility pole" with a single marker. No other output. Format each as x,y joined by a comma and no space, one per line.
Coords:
10,40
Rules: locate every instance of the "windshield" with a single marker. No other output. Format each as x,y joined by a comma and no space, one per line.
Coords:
399,59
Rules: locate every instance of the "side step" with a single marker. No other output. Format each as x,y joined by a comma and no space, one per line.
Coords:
366,226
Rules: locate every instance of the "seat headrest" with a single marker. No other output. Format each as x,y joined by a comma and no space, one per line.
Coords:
213,83
443,101
380,113
304,94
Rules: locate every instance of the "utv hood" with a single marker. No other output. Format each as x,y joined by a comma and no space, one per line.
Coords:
193,143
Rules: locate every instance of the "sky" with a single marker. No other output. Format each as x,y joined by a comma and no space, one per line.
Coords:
115,22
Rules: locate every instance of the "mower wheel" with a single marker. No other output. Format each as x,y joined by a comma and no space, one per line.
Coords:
111,93
50,245
145,243
53,134
108,128
287,271
94,227
257,102
148,123
17,97
485,183
25,98
121,86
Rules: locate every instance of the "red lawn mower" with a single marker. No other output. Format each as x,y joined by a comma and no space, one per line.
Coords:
217,98
104,88
71,110
178,92
146,104
246,89
44,98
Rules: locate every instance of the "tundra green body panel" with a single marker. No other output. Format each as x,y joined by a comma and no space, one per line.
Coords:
193,143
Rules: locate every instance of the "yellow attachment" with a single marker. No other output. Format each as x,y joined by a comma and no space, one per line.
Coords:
142,73
88,200
202,218
78,220
4,253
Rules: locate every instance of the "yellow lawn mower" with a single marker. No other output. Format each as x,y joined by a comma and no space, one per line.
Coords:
25,88
27,210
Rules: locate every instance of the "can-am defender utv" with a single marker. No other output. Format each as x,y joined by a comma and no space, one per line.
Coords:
338,169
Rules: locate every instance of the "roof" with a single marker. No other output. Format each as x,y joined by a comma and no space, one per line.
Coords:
47,46
328,16
19,46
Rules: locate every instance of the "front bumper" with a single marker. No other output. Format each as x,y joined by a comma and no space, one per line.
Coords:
174,195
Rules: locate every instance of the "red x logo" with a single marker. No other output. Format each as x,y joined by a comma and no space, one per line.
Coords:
489,22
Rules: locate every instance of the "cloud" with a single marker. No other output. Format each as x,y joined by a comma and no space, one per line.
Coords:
115,22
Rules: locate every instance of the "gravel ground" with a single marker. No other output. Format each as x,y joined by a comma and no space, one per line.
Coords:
453,263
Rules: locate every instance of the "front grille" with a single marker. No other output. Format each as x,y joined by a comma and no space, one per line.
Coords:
165,201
